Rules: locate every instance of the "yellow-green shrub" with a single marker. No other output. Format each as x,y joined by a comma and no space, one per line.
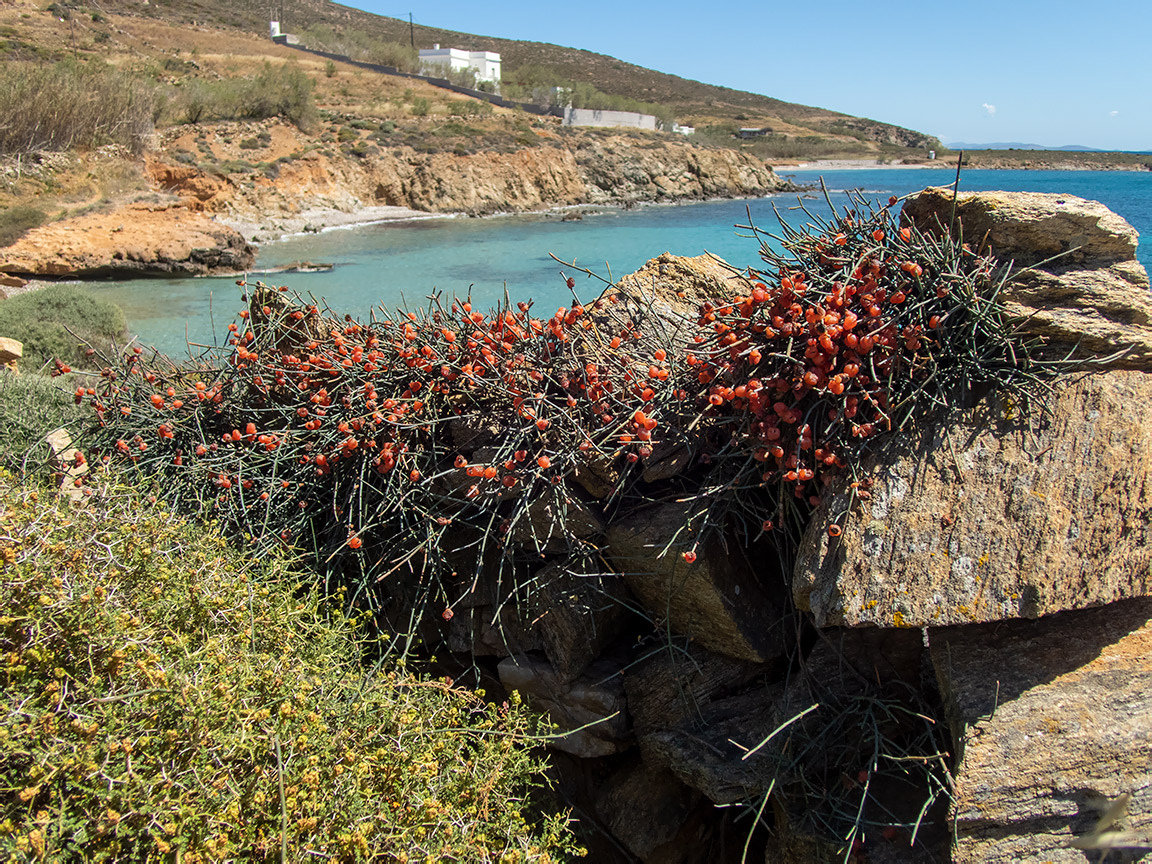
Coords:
163,700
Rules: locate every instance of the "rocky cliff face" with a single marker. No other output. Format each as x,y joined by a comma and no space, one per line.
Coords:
623,170
138,240
311,187
591,170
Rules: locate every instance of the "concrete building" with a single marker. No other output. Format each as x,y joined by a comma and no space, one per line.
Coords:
486,63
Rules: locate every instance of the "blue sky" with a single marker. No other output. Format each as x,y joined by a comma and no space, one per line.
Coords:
1053,72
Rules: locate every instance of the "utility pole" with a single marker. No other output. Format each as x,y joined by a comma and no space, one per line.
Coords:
411,30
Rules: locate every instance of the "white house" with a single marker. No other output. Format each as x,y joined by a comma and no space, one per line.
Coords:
486,63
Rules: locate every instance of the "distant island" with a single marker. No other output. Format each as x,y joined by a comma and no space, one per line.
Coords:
1017,145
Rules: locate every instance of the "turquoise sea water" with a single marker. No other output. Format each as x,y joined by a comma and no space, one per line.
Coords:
396,262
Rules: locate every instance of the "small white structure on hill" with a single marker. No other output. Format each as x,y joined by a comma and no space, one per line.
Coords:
486,63
282,38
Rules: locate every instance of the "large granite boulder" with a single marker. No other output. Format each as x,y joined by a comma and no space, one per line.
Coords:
982,519
1093,296
1053,723
984,514
1030,227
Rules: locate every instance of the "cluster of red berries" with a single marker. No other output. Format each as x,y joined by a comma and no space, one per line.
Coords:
314,420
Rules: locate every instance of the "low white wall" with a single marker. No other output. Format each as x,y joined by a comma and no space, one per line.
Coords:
596,117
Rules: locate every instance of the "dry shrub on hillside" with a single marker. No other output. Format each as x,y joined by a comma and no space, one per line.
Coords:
65,105
163,697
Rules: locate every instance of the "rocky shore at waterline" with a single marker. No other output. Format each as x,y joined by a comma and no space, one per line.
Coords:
202,223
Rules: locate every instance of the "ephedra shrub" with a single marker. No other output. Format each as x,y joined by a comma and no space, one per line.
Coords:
411,454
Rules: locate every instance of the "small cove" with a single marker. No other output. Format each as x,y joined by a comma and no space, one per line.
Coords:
394,263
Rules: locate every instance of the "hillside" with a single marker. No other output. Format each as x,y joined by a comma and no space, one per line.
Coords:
181,119
694,103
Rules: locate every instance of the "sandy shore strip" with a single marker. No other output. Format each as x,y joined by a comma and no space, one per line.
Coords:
265,229
852,165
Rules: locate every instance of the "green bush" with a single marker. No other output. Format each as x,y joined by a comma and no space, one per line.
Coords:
278,91
39,318
31,406
17,221
402,57
165,698
65,105
420,107
359,46
469,108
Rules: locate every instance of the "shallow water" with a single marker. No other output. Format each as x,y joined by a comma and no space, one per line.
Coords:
394,263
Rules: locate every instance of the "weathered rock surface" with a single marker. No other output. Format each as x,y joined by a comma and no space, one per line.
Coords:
645,807
578,169
675,684
576,615
136,240
527,179
1099,312
681,283
707,752
716,600
1030,227
616,170
981,520
1096,297
11,350
594,700
1053,719
708,746
67,462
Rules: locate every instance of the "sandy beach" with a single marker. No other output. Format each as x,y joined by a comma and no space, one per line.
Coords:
275,227
852,165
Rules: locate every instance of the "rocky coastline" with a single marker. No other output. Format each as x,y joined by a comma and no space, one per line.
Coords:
200,222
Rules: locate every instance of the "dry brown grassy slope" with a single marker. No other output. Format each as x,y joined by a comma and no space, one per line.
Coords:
175,43
694,102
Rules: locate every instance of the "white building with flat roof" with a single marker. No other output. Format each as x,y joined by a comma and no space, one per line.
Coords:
486,63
